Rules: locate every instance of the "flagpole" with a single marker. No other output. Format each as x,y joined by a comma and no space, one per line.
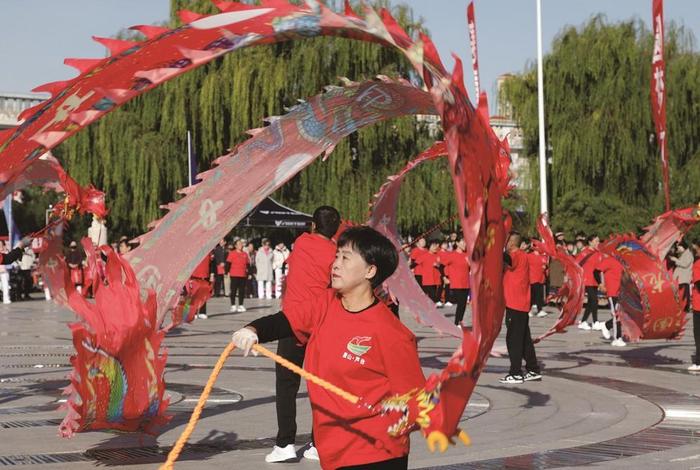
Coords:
540,108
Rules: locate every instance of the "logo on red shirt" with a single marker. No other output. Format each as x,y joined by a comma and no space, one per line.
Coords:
356,347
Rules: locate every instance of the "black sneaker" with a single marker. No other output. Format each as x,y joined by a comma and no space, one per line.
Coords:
512,379
530,376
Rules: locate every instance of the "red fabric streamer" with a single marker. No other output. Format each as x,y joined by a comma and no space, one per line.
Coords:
402,284
658,92
570,294
669,228
471,24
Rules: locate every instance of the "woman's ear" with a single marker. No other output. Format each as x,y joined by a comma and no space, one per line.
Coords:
371,272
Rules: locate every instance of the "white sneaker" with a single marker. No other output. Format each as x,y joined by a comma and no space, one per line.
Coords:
311,453
241,309
233,308
281,454
619,343
606,333
530,314
584,326
439,304
512,379
598,326
448,304
542,314
202,316
694,368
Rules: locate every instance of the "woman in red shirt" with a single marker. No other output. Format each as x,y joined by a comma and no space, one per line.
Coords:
427,266
356,343
612,278
457,270
238,271
695,366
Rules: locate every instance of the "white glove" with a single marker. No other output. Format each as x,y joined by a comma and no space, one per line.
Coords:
244,339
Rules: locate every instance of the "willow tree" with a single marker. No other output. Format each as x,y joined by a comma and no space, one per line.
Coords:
599,124
137,154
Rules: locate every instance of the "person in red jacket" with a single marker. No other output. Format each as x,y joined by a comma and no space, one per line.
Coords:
308,278
588,259
202,276
355,342
695,366
238,271
416,253
611,269
457,270
516,290
538,264
427,266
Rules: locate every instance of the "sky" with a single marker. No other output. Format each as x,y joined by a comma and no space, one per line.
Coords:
37,35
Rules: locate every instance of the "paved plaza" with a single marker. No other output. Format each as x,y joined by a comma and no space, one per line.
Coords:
597,405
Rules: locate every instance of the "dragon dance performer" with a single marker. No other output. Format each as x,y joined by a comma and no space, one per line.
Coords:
457,269
16,253
354,341
695,366
612,278
308,278
516,290
202,275
589,259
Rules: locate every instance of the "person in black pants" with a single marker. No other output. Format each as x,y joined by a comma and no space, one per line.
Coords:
309,274
219,268
516,291
286,387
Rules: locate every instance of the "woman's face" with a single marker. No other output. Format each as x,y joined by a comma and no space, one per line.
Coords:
238,245
349,270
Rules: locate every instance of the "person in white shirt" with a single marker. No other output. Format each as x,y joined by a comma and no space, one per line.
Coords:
263,270
279,260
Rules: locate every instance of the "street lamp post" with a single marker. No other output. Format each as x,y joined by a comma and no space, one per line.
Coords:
540,108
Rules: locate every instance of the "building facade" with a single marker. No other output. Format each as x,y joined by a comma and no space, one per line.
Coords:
12,105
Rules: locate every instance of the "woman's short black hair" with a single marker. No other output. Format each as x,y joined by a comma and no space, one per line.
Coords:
374,248
327,220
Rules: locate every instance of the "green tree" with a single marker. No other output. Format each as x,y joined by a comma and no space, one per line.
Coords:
599,123
137,154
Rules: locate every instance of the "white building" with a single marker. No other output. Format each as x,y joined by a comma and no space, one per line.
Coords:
505,126
12,104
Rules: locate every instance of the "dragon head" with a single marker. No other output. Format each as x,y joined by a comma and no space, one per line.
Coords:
425,409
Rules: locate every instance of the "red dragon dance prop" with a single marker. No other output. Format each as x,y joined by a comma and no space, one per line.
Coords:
478,163
649,301
570,294
117,380
402,284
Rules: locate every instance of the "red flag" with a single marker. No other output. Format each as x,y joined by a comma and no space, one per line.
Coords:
658,91
471,21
